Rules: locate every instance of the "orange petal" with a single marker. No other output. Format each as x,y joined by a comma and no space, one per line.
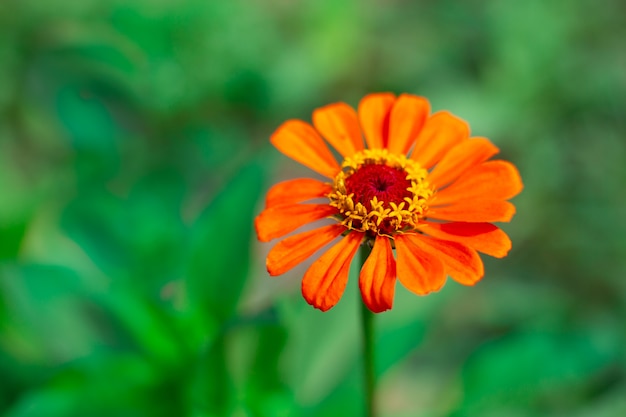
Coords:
295,249
339,124
484,237
459,261
474,211
459,159
324,282
299,141
296,191
378,277
374,110
277,221
489,180
441,132
408,115
417,270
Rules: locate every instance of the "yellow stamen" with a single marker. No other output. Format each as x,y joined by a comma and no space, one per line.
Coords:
384,217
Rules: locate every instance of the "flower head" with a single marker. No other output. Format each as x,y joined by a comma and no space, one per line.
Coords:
418,184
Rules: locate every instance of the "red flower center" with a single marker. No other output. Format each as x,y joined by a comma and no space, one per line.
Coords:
386,183
380,193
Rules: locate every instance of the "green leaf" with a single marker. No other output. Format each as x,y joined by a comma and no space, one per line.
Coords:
220,249
265,388
537,371
106,384
95,220
211,389
140,238
88,122
12,234
44,321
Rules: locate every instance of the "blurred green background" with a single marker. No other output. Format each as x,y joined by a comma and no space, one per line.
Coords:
134,155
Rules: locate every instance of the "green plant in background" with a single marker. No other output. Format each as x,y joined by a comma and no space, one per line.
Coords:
132,152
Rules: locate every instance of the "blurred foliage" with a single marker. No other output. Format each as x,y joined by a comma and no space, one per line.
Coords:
134,155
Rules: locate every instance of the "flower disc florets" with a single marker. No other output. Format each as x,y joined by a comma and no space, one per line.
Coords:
380,193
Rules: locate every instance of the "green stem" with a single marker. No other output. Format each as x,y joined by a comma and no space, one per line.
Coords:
367,323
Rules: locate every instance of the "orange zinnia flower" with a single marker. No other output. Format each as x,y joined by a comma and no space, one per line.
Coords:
421,185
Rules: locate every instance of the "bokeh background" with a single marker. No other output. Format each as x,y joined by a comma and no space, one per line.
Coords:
134,156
